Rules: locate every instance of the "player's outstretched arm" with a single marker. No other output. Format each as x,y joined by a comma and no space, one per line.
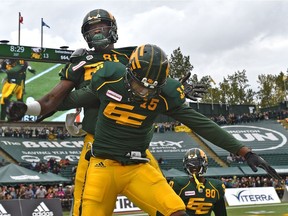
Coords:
16,110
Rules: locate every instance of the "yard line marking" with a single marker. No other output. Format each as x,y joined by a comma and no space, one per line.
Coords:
42,73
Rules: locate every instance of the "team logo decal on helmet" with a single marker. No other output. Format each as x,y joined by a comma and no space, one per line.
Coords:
195,162
147,71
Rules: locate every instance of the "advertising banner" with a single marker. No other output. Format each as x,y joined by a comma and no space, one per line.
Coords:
123,204
31,207
36,150
251,196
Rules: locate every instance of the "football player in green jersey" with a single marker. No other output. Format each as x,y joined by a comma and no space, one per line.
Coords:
99,29
131,97
14,82
201,195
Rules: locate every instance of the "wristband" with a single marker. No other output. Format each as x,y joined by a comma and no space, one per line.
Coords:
33,108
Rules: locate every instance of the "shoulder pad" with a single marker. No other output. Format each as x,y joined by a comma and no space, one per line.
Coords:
173,91
78,53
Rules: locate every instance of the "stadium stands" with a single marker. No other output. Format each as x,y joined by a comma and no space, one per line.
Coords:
268,138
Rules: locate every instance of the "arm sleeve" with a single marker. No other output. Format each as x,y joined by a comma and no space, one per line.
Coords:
83,97
206,128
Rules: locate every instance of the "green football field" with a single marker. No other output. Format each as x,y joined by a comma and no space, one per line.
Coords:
42,82
255,210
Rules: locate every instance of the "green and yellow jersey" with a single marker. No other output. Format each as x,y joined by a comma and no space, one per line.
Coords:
80,72
124,127
203,202
15,70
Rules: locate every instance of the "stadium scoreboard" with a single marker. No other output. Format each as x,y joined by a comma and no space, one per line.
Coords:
35,53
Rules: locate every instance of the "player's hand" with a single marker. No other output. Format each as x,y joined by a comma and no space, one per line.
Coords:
193,91
40,118
30,69
16,110
254,161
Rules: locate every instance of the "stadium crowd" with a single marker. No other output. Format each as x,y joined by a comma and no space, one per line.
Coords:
34,132
256,181
52,165
232,119
161,127
34,191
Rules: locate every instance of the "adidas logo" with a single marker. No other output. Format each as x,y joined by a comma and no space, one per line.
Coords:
101,164
42,210
3,211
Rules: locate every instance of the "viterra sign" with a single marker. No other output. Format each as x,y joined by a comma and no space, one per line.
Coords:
262,138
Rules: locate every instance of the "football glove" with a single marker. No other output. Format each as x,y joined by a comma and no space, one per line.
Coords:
16,110
33,71
193,91
254,161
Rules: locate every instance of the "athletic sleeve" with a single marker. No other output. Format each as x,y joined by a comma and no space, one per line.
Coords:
83,97
219,208
206,128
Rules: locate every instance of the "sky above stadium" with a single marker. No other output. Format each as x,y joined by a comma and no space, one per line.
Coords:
220,36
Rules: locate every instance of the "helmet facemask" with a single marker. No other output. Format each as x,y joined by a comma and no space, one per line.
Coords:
195,162
195,166
141,90
146,72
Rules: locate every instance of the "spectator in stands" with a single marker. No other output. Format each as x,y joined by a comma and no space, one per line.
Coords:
1,193
68,192
227,182
8,196
33,165
41,192
230,158
52,163
21,191
160,160
29,194
50,193
13,193
196,187
60,193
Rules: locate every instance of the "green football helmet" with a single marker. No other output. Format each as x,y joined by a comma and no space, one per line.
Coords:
147,72
107,35
195,162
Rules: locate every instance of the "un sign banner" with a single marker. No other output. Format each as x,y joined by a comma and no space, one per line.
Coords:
261,138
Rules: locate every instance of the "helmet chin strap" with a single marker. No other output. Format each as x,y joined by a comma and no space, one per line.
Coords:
200,186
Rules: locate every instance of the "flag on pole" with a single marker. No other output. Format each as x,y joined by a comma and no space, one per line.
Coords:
44,24
20,18
20,21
